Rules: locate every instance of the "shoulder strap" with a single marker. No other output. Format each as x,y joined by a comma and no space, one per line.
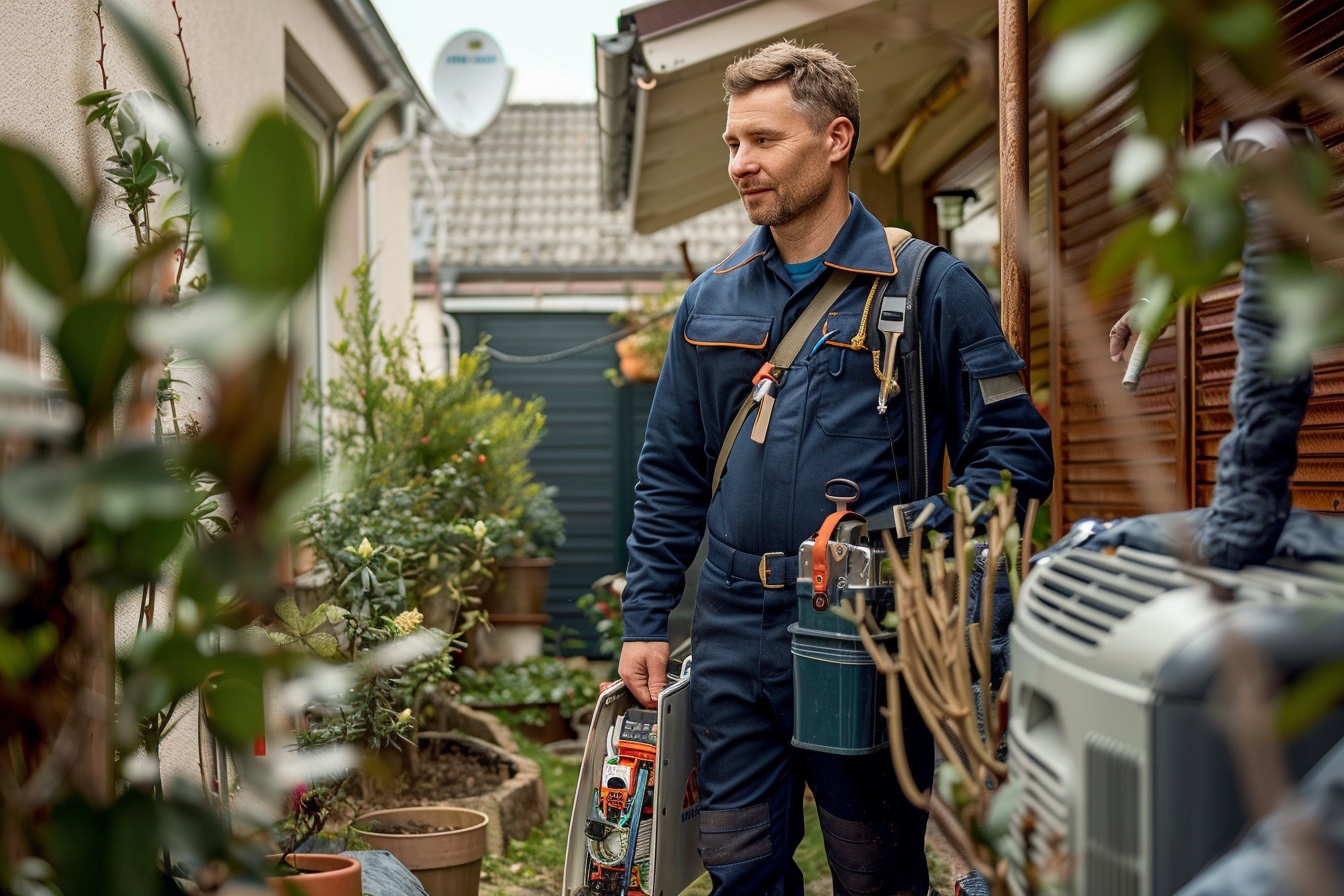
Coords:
785,353
910,255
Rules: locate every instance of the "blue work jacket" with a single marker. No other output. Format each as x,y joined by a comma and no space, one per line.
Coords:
825,422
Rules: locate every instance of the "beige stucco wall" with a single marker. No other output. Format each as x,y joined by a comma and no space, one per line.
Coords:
48,58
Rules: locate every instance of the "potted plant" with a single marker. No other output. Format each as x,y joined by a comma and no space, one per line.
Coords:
313,874
525,556
649,323
425,456
442,845
538,695
393,662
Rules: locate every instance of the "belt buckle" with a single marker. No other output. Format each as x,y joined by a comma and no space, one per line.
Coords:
764,573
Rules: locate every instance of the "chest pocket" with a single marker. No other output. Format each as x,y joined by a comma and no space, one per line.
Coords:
842,389
728,331
730,349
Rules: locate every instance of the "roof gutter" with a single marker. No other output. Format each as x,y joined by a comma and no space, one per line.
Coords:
618,65
383,53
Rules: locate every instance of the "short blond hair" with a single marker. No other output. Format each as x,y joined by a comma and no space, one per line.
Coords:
822,86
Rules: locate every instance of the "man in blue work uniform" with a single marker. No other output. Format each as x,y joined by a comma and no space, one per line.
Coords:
793,119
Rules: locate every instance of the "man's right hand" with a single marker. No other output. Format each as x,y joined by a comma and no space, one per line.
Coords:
644,669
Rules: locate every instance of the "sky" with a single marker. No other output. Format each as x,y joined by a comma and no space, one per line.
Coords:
547,43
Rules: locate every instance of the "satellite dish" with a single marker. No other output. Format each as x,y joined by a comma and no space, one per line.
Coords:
471,82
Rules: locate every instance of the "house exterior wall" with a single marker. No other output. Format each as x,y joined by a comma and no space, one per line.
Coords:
240,54
1121,454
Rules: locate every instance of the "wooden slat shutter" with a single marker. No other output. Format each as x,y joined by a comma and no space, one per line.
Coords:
1314,31
1116,454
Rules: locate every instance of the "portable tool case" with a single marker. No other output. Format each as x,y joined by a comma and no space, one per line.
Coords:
635,825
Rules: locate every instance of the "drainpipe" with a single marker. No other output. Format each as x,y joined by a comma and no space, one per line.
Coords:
1014,224
452,332
410,124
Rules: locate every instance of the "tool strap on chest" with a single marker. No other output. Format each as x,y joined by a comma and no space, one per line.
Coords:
912,256
904,287
782,359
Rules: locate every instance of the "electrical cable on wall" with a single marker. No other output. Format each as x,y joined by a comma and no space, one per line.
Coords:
577,349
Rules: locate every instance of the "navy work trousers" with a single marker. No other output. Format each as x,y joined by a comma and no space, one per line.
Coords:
751,777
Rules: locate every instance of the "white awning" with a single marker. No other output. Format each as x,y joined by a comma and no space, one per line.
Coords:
675,162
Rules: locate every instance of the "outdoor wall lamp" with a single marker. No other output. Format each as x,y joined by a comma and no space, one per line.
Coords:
951,206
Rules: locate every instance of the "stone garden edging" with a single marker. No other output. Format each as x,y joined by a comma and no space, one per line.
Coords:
516,806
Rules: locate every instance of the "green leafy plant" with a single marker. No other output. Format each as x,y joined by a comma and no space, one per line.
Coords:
89,509
527,686
1189,228
307,630
602,606
392,661
427,453
437,548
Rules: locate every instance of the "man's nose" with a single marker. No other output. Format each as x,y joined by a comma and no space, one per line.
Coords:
742,163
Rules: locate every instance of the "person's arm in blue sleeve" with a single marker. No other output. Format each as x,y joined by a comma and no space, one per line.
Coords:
671,494
988,419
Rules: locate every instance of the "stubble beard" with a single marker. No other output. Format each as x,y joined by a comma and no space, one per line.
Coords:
791,201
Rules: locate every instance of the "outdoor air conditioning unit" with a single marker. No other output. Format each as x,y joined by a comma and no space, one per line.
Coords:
1121,760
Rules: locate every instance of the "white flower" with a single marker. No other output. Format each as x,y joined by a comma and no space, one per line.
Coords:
479,529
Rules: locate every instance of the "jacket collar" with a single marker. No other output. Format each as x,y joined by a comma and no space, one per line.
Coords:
860,246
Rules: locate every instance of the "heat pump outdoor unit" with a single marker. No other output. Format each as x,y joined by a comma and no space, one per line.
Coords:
1119,755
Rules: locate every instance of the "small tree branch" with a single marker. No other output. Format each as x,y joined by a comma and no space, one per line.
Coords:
102,43
186,60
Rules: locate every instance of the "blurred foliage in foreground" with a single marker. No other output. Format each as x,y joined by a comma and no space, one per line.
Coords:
96,500
1190,227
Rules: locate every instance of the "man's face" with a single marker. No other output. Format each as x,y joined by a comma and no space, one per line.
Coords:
780,167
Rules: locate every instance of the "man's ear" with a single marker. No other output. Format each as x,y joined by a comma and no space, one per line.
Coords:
839,137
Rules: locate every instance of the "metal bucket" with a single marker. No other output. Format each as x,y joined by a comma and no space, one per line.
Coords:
810,619
837,692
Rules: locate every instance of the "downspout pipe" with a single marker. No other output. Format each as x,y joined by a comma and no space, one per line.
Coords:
410,127
378,43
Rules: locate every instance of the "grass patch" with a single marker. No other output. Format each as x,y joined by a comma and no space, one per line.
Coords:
538,862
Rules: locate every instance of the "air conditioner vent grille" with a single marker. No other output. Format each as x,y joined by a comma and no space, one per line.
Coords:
1113,787
1044,799
1083,594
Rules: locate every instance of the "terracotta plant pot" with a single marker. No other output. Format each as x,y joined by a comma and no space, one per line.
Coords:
325,875
639,370
556,727
522,586
447,863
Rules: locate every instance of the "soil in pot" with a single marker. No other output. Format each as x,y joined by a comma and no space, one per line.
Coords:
442,770
445,855
405,826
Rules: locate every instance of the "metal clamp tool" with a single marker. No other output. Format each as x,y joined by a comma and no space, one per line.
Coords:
891,324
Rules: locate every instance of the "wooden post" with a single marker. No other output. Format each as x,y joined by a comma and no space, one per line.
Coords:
1015,309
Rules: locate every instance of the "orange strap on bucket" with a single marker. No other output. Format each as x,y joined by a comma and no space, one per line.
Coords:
821,570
